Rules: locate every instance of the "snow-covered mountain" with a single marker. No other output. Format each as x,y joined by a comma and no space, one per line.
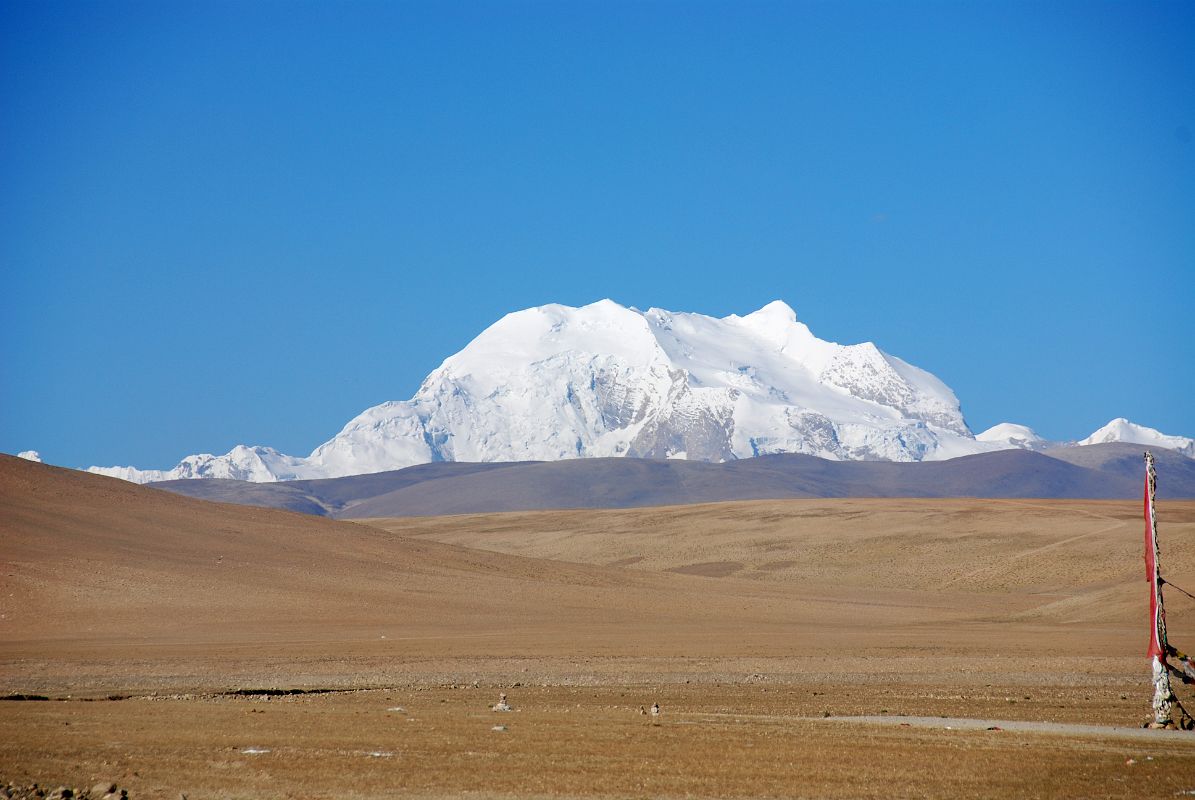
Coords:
258,464
557,382
1121,430
1009,435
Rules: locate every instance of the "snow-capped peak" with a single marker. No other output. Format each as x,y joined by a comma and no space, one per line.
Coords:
778,311
1012,435
556,382
259,464
776,324
1122,430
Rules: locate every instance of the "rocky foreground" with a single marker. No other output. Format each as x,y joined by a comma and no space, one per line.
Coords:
104,790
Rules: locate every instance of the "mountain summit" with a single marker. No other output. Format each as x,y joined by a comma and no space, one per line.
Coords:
557,382
1121,430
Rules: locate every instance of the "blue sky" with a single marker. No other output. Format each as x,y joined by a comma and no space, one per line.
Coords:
227,223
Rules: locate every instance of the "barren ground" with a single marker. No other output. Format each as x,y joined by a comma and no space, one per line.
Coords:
747,622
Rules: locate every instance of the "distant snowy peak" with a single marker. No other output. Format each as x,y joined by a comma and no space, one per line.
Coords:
1121,430
556,382
258,464
1009,434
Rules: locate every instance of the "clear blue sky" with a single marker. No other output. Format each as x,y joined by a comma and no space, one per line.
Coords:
239,222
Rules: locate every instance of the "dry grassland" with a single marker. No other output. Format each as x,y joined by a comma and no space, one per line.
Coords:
747,622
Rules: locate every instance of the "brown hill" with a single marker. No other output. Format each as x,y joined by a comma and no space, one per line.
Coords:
99,571
108,584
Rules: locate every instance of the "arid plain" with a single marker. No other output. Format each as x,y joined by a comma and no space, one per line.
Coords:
153,622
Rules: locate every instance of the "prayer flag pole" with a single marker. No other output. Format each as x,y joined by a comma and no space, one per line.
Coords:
1157,612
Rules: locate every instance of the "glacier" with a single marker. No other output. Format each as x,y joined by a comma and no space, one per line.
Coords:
556,382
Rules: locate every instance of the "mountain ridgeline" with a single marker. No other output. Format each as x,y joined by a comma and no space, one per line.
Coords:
1106,471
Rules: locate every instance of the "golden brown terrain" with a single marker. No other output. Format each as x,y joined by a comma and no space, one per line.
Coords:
748,622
